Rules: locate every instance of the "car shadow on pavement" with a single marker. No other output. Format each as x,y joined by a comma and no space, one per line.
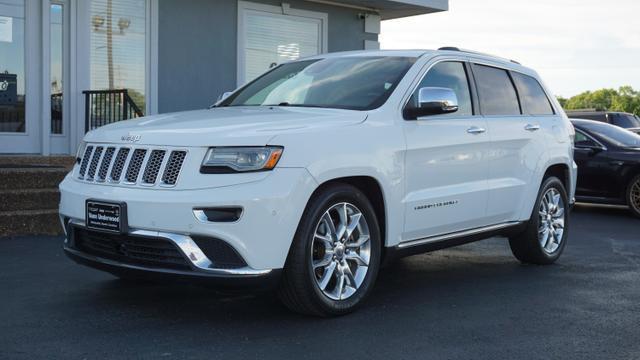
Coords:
463,277
428,281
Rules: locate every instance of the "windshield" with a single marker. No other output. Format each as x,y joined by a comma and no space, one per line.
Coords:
615,135
626,121
356,83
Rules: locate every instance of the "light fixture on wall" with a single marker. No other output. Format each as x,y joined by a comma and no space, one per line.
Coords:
123,24
97,21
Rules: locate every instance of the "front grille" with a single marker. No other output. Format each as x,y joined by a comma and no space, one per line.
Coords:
104,167
172,170
125,164
134,165
132,250
94,162
85,160
118,165
153,167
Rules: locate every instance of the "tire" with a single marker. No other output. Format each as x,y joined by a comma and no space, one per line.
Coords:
531,246
633,196
317,291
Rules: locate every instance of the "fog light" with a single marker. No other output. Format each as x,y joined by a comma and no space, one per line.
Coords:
218,214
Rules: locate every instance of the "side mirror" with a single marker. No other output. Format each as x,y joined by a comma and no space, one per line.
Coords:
435,101
591,149
224,95
221,98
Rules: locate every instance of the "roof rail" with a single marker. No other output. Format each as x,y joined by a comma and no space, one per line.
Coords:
453,48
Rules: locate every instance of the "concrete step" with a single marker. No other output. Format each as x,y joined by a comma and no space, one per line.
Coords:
14,178
34,160
29,199
30,222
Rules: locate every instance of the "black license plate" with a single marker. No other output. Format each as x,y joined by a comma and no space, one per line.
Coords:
106,216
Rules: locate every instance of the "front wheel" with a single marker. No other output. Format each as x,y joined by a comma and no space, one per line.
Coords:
545,236
335,255
633,196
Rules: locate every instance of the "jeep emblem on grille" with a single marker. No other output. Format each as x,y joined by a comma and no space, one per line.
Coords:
131,138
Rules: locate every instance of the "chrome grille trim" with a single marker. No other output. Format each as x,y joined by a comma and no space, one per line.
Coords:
150,166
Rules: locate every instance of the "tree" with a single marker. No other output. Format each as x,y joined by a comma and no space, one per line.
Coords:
562,101
625,99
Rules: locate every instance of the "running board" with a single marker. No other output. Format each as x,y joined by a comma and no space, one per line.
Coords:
459,234
444,241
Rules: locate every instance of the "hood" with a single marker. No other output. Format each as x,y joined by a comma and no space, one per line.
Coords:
229,126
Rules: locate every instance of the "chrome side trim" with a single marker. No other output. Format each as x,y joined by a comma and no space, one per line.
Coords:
190,250
458,234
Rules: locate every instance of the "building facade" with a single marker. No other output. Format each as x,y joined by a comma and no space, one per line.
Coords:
68,66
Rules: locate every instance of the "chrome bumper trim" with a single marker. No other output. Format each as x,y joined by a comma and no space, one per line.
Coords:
187,246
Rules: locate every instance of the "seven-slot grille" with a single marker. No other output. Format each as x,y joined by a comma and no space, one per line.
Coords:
125,164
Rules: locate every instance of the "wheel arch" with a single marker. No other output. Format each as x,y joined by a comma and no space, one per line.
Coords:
557,167
372,189
628,178
562,172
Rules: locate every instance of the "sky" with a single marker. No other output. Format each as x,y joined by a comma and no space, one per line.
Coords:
575,45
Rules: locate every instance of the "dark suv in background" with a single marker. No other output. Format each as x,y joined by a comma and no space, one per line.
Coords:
621,119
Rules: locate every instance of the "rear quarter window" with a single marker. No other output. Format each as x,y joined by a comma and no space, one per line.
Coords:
534,99
496,92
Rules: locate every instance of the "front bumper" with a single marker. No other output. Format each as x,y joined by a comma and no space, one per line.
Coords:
265,281
272,208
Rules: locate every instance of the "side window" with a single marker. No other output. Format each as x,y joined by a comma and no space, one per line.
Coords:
582,140
450,75
534,99
495,91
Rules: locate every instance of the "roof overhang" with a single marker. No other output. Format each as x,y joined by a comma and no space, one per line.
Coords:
393,9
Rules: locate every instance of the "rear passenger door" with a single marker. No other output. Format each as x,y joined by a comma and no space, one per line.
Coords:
517,139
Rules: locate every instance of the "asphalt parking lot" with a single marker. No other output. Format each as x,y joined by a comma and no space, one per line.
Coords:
471,302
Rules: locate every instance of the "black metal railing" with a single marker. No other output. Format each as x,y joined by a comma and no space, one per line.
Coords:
104,107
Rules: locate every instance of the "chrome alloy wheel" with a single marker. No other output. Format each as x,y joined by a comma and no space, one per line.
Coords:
551,226
634,197
341,251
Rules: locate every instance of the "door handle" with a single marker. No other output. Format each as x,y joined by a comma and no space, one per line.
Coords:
531,127
476,130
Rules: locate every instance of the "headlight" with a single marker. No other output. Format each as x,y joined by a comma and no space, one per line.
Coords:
224,160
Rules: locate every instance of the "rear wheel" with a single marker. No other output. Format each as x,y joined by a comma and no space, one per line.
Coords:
633,196
335,255
545,236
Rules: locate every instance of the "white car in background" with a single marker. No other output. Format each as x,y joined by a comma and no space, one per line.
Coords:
312,175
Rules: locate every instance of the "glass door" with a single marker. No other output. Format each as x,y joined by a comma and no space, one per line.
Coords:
58,59
19,127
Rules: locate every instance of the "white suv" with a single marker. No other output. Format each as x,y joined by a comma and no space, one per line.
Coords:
313,175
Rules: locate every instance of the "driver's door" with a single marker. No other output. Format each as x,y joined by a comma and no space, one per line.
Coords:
446,163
